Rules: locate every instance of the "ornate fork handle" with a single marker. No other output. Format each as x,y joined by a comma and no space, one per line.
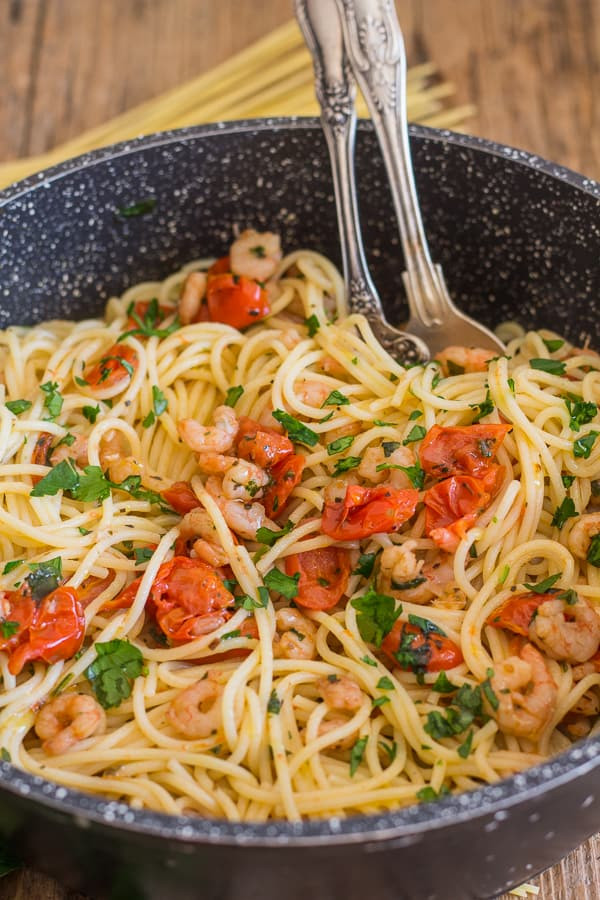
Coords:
376,51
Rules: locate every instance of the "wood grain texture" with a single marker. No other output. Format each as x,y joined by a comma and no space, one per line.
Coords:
532,67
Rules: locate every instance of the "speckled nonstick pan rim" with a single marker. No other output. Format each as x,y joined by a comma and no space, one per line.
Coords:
493,801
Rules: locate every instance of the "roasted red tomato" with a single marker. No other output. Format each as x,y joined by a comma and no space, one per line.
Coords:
236,300
18,610
140,309
181,497
465,450
118,364
249,629
452,508
56,632
189,599
93,587
366,511
324,576
41,451
220,266
516,613
284,478
261,445
411,648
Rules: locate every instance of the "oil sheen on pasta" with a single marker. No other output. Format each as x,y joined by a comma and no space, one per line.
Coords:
253,568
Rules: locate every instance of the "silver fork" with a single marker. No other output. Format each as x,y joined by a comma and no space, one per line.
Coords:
375,47
336,91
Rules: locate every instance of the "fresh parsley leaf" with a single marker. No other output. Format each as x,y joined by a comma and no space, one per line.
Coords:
159,401
368,661
345,465
287,585
415,414
570,597
45,577
567,480
91,413
377,614
380,701
53,401
443,685
416,474
231,634
80,381
143,554
454,368
385,684
484,408
488,691
149,420
552,345
410,584
336,398
233,395
13,564
339,445
552,366
274,705
503,574
83,530
357,753
268,536
18,406
565,511
582,447
62,477
511,385
5,757
140,208
313,325
543,586
391,749
112,673
382,424
147,327
364,567
426,626
388,447
62,685
8,628
465,748
296,431
581,412
417,433
593,554
91,485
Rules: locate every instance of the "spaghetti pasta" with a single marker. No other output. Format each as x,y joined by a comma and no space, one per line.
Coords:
272,573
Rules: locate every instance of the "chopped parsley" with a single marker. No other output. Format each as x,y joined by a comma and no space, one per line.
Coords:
5,757
389,447
287,585
567,480
429,794
18,406
357,753
417,433
552,345
296,431
345,465
313,325
454,368
391,749
465,748
582,447
53,401
91,413
426,626
143,554
112,673
377,614
89,485
415,414
8,628
147,326
581,412
593,554
13,564
385,684
364,567
45,577
336,398
443,685
416,474
268,536
484,409
159,401
368,661
339,445
551,366
274,705
565,511
233,395
543,586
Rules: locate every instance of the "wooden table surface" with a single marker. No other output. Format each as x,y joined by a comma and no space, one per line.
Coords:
532,67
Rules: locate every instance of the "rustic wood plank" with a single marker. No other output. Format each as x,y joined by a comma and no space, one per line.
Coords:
532,67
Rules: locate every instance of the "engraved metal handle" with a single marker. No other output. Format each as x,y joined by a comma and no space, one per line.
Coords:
376,51
336,91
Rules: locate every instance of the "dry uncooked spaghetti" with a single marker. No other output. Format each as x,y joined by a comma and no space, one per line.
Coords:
368,586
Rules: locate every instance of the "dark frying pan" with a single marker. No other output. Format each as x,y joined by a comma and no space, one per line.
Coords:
519,239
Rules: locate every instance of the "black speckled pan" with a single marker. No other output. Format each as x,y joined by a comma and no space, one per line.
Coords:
519,239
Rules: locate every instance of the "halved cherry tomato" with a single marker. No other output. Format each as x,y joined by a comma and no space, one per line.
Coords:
467,450
124,599
181,497
366,511
260,444
517,612
236,300
421,651
452,508
324,575
248,628
110,371
92,587
57,631
141,308
220,266
189,599
20,608
284,478
41,453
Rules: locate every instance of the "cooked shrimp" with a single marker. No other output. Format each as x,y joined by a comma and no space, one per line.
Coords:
290,338
332,367
376,456
77,451
399,566
215,463
582,532
313,393
295,635
588,704
255,254
120,465
577,726
244,480
456,360
451,598
198,524
192,294
340,692
67,719
566,631
335,490
196,711
330,724
526,694
243,518
216,438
